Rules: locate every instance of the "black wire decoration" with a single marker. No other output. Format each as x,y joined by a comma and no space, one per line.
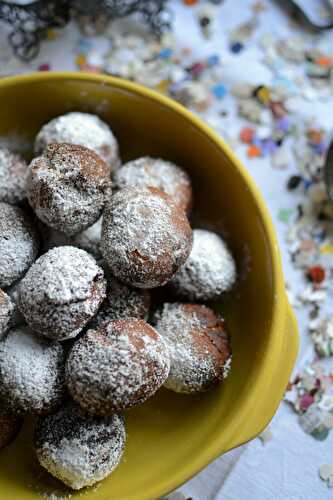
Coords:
29,22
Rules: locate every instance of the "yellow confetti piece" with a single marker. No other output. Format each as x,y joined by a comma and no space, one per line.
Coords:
51,34
264,95
258,7
80,60
326,249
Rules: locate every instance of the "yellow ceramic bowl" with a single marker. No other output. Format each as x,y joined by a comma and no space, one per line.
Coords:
172,437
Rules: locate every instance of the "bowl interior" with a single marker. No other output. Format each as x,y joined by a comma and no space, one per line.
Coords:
167,433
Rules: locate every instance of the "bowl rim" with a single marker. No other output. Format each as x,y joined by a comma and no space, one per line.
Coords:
280,307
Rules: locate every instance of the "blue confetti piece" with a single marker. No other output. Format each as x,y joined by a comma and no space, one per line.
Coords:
269,146
165,53
236,47
213,60
320,236
283,124
219,91
84,45
307,183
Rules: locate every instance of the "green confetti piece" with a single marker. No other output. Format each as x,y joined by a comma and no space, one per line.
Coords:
320,433
324,351
284,214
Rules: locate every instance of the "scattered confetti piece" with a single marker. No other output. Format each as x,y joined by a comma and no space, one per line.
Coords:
253,151
316,274
322,336
44,67
293,182
206,18
324,61
83,46
80,60
241,34
285,214
236,47
310,395
213,60
306,401
219,91
258,7
326,473
326,249
262,94
246,135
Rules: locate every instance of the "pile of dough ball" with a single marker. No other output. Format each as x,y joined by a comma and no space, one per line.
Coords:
85,246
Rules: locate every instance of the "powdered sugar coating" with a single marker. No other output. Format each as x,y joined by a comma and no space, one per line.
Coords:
67,187
145,237
122,302
158,173
198,345
19,244
31,372
209,270
82,129
10,426
61,292
13,171
78,449
117,366
6,312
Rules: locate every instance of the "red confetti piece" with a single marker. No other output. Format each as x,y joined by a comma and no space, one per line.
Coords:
197,68
306,401
44,67
246,134
316,274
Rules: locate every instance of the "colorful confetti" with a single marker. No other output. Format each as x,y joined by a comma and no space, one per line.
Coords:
311,396
285,214
326,474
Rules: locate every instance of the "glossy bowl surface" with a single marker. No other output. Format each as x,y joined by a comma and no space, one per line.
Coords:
172,437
